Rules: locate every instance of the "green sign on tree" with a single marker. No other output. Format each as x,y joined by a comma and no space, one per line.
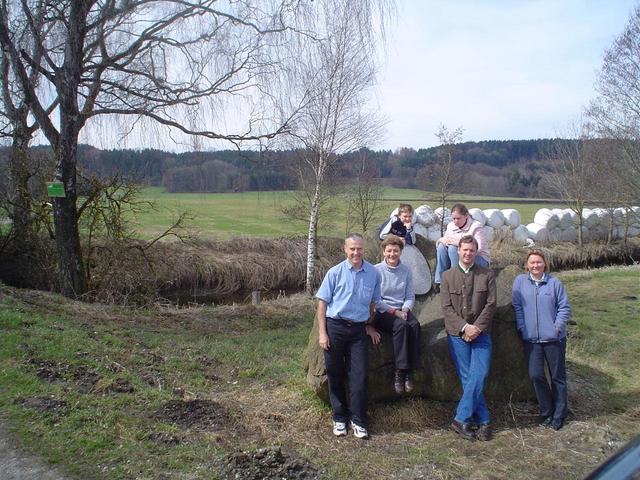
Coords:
55,189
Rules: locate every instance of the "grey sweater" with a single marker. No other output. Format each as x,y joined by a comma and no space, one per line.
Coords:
396,287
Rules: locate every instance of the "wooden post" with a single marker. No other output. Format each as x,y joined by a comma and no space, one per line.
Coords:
255,297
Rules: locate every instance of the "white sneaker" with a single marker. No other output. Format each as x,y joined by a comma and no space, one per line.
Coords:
358,431
339,429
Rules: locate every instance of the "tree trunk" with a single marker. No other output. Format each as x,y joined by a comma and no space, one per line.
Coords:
312,241
21,197
73,280
580,238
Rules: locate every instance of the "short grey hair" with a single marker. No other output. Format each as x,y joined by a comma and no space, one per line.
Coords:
354,237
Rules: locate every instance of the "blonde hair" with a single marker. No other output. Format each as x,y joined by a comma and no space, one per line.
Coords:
539,254
405,207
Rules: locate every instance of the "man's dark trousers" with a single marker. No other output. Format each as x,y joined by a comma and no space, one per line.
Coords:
552,400
406,338
347,354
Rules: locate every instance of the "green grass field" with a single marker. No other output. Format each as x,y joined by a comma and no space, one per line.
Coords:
224,215
98,389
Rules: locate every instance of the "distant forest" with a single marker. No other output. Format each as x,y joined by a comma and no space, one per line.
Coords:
510,167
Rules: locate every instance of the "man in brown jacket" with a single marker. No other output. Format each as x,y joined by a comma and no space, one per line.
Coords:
468,296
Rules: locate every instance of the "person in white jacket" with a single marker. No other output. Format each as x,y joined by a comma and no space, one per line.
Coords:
462,224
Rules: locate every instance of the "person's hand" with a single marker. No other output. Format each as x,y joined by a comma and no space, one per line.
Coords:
471,332
373,333
323,340
402,315
446,241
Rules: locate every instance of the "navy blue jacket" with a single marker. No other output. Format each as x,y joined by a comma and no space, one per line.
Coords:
542,311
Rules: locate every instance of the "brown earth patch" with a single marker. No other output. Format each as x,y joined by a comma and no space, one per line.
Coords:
117,385
48,370
268,463
85,379
198,413
165,438
44,404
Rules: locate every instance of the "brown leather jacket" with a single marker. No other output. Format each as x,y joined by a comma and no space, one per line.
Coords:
468,298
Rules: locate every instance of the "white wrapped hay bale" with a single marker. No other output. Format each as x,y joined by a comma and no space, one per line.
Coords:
478,215
619,216
574,217
604,218
564,219
494,216
569,234
618,232
520,235
590,218
489,233
421,230
554,234
598,232
511,217
634,215
634,231
546,218
443,212
537,232
433,233
425,215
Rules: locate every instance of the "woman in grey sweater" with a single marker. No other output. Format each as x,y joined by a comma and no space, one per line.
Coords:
393,314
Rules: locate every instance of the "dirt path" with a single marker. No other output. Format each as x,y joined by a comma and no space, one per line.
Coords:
16,464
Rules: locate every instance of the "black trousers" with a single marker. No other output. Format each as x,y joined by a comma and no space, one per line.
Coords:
406,338
347,356
552,399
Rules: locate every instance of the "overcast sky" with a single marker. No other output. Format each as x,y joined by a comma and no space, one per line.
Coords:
500,69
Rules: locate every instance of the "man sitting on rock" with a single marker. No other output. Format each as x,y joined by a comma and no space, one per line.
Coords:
346,298
468,297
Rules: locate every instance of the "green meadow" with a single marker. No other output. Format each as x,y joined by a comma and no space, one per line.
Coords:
260,214
106,392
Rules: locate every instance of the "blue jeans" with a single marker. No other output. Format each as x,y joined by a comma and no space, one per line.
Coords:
552,399
447,256
472,361
347,357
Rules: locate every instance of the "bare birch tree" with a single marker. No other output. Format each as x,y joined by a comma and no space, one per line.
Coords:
364,198
574,171
174,63
443,173
336,75
615,111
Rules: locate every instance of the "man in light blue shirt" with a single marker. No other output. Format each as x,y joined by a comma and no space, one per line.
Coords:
345,305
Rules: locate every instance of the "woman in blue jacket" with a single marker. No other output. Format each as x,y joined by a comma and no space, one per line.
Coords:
542,311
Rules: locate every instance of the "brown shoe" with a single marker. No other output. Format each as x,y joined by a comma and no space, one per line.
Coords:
463,429
409,385
484,433
398,382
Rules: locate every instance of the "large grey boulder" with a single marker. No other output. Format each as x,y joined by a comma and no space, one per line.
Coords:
436,378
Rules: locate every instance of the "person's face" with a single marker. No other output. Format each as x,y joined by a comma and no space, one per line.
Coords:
459,219
405,217
392,255
536,265
354,250
467,254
